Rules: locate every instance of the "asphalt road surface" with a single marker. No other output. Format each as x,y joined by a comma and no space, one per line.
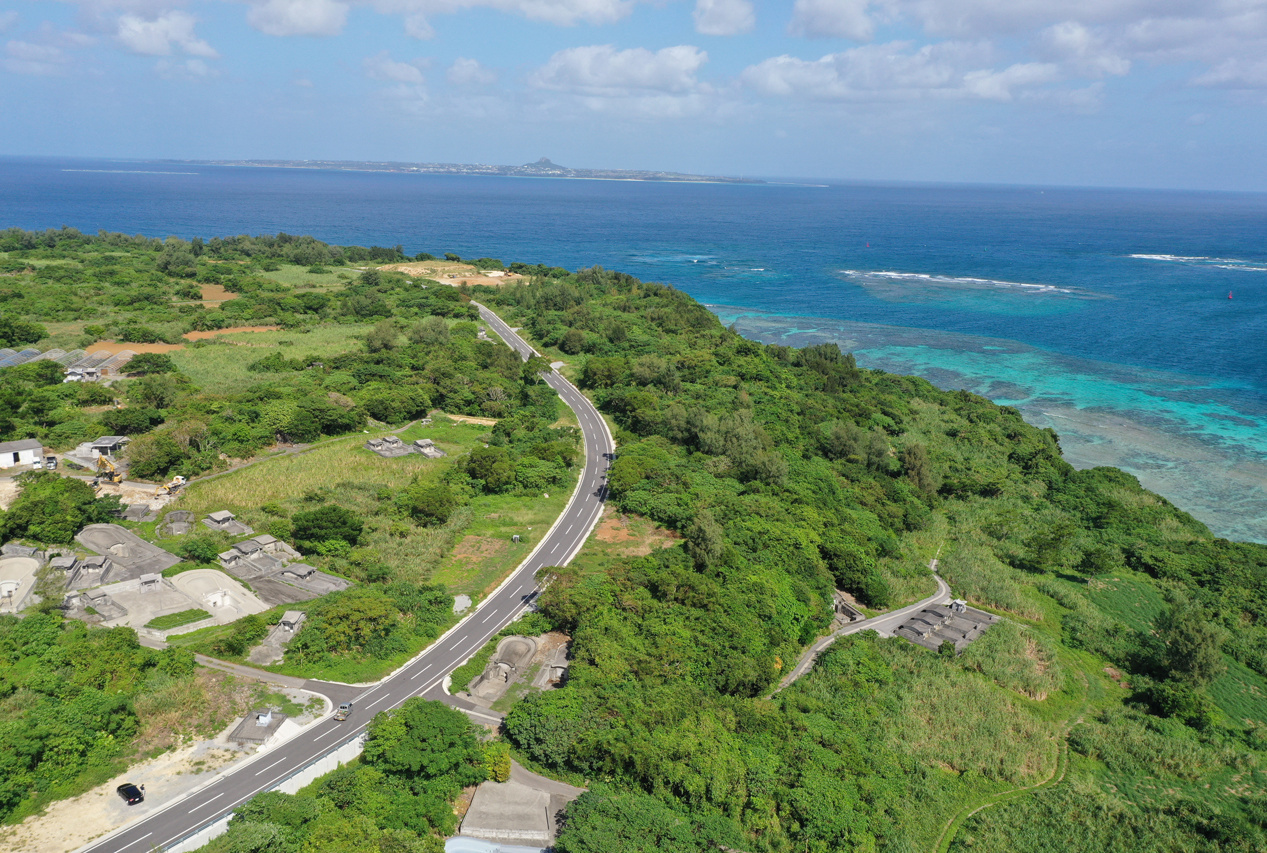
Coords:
423,676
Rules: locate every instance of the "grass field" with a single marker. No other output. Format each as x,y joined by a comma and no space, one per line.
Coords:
299,278
470,554
220,367
175,620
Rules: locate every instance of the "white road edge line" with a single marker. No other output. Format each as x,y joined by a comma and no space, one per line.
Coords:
207,803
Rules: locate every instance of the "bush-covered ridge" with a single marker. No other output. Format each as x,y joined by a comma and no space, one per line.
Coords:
792,471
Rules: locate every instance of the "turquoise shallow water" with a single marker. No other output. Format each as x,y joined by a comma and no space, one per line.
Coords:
1103,313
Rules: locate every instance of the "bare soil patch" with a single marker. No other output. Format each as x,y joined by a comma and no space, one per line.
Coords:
214,293
450,272
8,492
200,336
639,536
475,549
120,346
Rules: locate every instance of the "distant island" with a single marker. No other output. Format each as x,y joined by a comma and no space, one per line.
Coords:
542,168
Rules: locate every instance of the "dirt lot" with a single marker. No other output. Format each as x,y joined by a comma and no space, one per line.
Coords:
449,272
638,535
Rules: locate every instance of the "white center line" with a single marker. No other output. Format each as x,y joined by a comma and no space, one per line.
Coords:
207,803
491,614
456,643
420,672
376,701
130,843
323,734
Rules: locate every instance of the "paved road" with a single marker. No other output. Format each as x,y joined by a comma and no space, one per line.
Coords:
423,676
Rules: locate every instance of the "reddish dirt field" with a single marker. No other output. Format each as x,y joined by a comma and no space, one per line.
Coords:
198,336
117,346
214,293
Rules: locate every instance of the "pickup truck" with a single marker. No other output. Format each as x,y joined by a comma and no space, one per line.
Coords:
344,710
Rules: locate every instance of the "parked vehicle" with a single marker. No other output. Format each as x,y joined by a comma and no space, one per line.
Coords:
130,793
50,462
344,710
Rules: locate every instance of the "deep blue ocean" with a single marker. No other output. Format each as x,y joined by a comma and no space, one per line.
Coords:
1102,313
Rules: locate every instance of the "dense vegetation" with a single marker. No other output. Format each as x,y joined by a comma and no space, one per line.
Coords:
77,702
791,472
1126,682
413,345
395,798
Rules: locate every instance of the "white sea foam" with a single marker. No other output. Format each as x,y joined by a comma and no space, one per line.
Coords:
1203,261
964,282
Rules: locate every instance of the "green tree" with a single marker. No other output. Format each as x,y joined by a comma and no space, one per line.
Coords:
329,522
428,503
426,739
151,362
1191,644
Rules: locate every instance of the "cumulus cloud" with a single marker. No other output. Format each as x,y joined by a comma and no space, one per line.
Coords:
832,19
298,17
417,13
603,70
163,35
1082,51
724,17
1236,73
382,67
468,73
947,70
38,60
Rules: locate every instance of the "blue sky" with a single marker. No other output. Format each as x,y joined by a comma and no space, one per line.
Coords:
1147,93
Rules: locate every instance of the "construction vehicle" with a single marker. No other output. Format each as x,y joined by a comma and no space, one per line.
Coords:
170,488
106,471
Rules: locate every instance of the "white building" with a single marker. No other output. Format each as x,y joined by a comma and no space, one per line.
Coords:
24,452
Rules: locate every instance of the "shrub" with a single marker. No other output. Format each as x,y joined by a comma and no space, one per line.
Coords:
328,523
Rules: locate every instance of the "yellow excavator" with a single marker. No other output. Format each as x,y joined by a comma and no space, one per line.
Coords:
106,471
170,488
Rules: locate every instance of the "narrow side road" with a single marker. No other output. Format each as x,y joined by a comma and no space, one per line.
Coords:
885,625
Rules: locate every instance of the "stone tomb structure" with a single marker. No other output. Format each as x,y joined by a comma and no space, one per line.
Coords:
956,622
272,569
129,555
392,446
226,522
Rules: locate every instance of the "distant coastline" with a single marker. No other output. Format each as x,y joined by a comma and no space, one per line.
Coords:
542,168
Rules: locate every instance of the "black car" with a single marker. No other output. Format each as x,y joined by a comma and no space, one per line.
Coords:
130,793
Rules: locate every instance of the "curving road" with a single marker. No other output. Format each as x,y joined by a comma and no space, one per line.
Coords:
424,675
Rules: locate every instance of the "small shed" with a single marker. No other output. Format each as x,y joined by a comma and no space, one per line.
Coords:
108,445
292,619
23,452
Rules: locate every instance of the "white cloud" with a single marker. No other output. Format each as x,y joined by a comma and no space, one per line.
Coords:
7,20
947,70
382,67
298,17
1001,85
1235,73
603,70
162,35
724,17
38,60
417,13
832,19
189,69
1082,51
469,73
